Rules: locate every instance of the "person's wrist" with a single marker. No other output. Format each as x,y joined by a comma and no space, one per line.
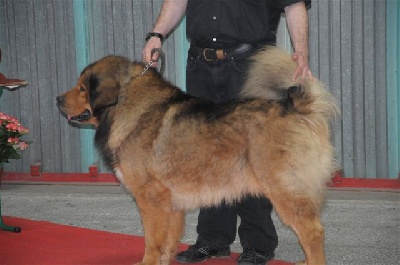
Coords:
154,34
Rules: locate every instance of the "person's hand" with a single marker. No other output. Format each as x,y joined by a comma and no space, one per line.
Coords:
151,44
302,71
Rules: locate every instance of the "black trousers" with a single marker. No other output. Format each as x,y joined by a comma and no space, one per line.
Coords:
218,82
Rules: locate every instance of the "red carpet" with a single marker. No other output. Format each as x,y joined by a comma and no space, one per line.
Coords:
46,243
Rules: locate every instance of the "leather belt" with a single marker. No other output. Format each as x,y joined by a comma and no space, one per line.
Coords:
212,55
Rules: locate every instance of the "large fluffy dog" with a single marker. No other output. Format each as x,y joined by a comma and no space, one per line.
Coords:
174,152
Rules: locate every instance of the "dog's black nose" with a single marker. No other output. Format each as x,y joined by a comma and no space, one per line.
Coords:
59,99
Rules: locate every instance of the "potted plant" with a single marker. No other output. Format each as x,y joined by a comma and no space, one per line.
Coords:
11,143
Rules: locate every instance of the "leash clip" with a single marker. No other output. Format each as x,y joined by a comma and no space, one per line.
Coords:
147,67
150,64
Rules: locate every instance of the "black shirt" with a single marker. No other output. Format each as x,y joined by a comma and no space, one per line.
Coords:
227,23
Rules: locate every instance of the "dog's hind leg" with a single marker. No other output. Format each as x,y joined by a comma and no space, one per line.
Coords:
302,215
154,202
175,232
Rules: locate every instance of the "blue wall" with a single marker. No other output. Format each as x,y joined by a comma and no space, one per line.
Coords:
393,85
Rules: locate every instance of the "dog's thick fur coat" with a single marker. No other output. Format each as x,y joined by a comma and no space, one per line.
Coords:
175,152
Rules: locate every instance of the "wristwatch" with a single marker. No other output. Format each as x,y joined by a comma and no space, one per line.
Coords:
154,34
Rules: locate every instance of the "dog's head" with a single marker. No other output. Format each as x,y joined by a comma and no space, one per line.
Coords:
97,90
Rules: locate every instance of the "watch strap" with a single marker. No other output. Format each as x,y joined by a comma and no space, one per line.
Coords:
154,34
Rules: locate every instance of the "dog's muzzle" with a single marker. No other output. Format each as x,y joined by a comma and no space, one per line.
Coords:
84,116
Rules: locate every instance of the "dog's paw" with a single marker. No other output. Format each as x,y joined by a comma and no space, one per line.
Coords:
303,262
165,259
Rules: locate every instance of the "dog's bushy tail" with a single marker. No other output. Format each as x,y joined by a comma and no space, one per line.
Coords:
269,78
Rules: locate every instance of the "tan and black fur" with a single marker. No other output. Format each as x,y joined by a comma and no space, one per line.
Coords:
175,152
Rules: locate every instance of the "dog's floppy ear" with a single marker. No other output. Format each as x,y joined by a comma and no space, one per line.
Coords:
93,93
103,93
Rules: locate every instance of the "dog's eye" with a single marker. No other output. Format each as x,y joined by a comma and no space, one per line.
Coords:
82,89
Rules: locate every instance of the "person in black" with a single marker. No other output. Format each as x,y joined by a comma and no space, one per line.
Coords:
223,35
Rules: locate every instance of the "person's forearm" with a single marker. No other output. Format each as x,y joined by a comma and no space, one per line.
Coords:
297,21
171,13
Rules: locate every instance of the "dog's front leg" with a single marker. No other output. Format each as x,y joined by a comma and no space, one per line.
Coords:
154,202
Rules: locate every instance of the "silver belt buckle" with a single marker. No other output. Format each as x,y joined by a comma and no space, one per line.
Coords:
209,55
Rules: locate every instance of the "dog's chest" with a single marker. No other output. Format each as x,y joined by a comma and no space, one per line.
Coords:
119,175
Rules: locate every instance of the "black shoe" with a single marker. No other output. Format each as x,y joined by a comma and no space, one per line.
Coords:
251,256
198,252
